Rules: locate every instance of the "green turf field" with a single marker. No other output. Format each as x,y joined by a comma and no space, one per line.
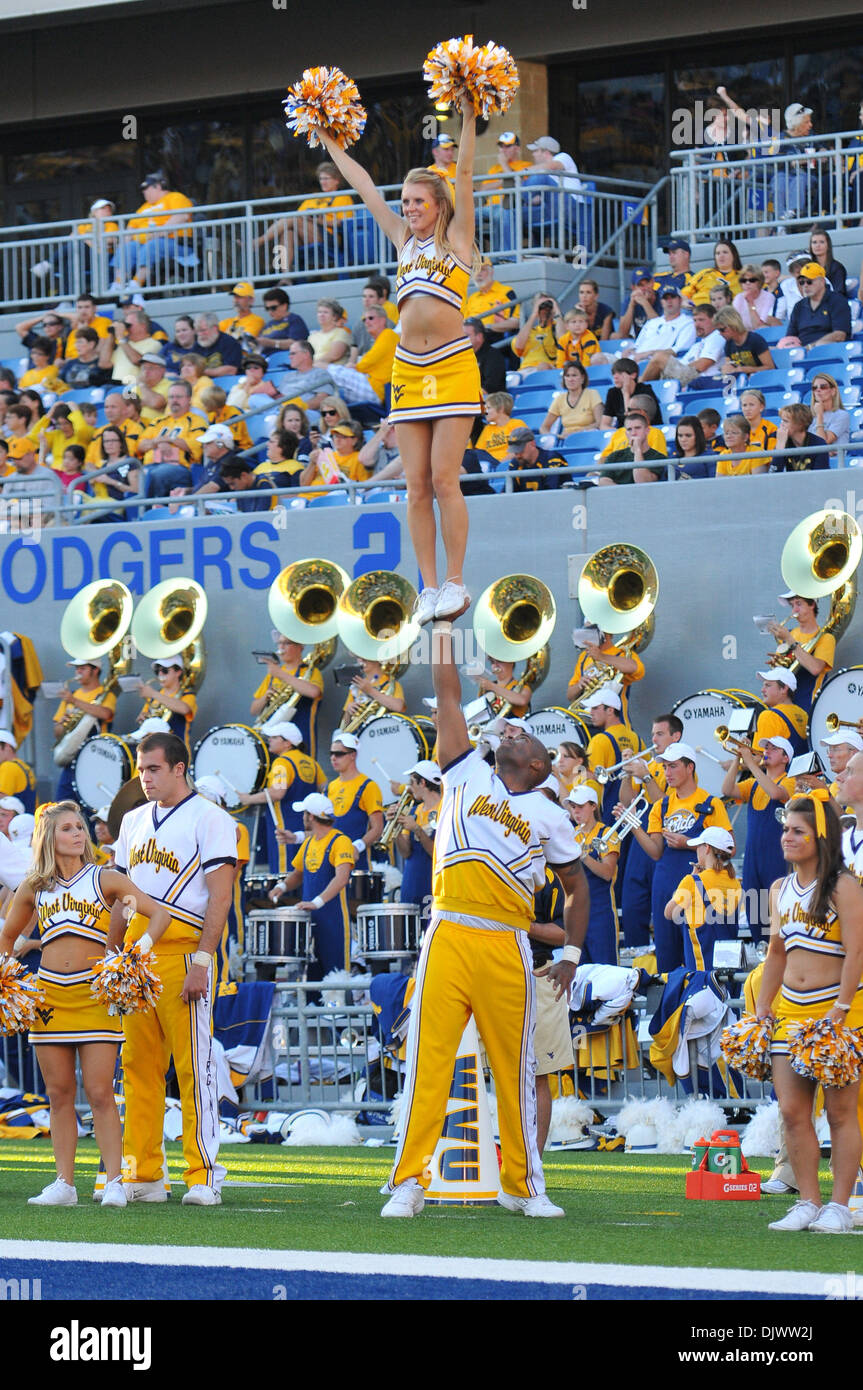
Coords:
620,1209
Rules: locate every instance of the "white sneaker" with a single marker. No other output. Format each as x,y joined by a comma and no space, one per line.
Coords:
834,1220
425,605
114,1194
775,1187
453,600
201,1196
146,1191
407,1200
56,1194
529,1206
798,1218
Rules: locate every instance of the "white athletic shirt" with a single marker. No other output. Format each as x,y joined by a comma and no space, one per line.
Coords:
796,926
491,845
168,851
852,851
74,907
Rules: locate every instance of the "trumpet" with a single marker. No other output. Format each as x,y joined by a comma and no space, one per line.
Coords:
629,819
833,723
607,774
392,827
729,742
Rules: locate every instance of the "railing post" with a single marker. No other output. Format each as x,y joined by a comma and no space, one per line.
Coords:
840,180
691,170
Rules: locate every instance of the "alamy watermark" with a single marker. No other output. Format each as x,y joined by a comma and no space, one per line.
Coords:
22,516
689,127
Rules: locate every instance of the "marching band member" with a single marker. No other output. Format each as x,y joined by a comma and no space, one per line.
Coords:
605,652
782,716
322,867
680,814
103,841
435,245
706,902
357,805
415,842
766,788
812,971
214,789
70,899
374,685
572,769
184,850
600,852
841,747
291,771
286,674
648,777
170,702
611,743
494,834
17,778
504,688
552,1043
87,699
812,665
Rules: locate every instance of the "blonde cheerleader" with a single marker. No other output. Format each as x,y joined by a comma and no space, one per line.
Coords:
70,900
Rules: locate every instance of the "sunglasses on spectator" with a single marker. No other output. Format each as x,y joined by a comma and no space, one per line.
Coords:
803,280
748,280
822,386
338,753
162,670
329,412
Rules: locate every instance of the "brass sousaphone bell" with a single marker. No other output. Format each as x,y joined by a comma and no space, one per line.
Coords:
95,622
303,601
618,589
374,617
168,622
820,558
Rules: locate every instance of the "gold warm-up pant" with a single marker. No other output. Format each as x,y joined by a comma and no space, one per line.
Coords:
182,1031
462,971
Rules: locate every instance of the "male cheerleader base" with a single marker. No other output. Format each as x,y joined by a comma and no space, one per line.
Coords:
495,833
170,852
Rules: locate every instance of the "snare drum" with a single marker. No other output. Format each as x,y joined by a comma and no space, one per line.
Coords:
556,725
100,770
386,746
281,935
842,694
701,714
390,929
366,886
235,753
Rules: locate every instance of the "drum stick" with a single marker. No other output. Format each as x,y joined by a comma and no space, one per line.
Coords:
271,808
105,790
705,754
384,771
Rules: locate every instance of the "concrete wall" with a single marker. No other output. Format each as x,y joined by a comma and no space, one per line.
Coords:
206,48
716,546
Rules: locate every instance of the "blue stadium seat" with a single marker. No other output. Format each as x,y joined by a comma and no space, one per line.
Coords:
330,499
18,365
782,357
88,395
771,333
380,494
826,352
765,380
278,359
531,400
360,238
534,380
590,440
261,426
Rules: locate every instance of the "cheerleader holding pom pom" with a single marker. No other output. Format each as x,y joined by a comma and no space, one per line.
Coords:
75,904
811,991
435,381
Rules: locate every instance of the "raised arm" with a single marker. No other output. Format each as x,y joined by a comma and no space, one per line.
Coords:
463,222
362,182
453,738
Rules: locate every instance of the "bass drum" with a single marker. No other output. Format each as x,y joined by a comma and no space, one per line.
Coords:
101,768
387,746
556,725
428,728
842,694
701,714
235,753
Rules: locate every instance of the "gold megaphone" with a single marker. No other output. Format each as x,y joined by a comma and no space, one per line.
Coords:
303,600
97,619
618,589
374,616
514,618
168,622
